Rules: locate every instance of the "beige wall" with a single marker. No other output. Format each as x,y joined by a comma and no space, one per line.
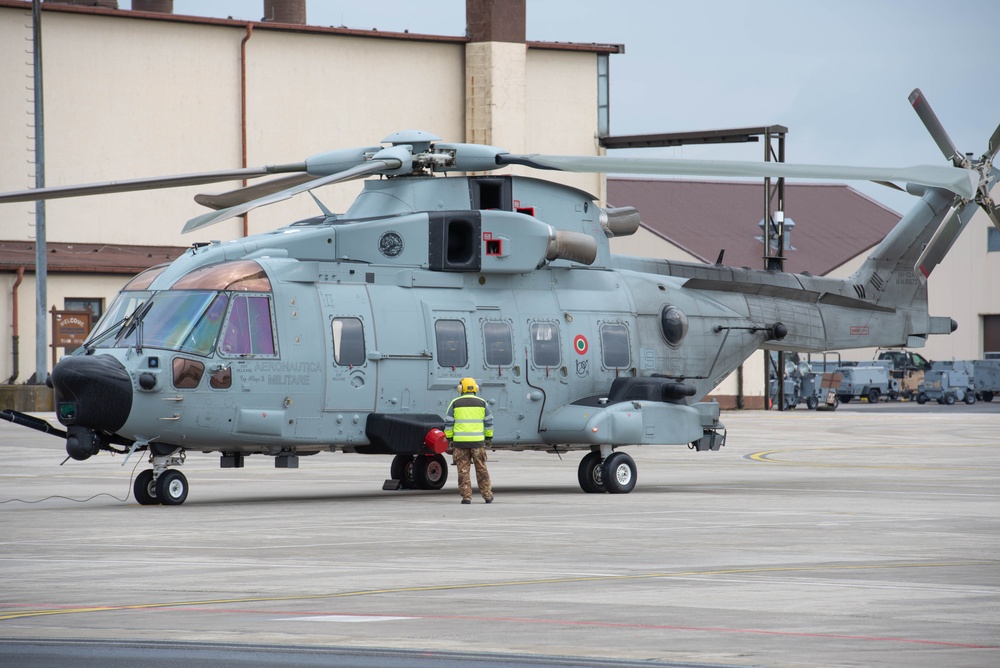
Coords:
59,288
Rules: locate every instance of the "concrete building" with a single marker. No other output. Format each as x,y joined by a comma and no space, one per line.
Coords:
129,94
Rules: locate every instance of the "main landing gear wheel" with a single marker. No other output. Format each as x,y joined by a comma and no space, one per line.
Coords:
171,488
619,473
144,489
430,472
590,475
402,470
420,471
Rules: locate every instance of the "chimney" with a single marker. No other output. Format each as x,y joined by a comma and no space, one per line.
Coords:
495,20
158,6
285,11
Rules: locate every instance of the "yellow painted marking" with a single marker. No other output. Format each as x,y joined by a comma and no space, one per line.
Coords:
481,585
766,456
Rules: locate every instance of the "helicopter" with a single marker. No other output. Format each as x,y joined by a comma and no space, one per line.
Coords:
350,331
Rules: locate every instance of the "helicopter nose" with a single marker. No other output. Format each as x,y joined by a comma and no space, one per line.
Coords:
93,392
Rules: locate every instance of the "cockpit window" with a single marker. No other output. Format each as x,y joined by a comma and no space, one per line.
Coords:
243,275
125,304
183,321
248,330
144,279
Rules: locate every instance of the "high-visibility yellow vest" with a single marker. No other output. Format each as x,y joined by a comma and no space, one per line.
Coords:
469,421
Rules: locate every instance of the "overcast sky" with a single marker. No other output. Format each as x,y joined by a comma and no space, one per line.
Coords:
836,73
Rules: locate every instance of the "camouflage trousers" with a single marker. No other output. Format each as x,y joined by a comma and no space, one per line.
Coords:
464,458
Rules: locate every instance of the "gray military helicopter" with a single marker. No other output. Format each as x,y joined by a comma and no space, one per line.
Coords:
349,332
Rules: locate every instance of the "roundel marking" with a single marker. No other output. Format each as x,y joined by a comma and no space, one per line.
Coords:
390,244
580,344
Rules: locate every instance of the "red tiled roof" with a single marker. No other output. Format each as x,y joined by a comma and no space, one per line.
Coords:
833,222
86,258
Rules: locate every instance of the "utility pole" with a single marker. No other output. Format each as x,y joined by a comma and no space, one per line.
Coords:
41,261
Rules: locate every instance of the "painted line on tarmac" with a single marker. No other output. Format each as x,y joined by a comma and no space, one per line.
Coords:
8,616
663,627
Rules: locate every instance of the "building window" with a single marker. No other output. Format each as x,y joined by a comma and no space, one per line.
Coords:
992,240
545,344
348,342
93,305
499,342
991,337
452,349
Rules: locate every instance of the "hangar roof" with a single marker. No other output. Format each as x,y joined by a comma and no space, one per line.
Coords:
86,258
833,222
289,27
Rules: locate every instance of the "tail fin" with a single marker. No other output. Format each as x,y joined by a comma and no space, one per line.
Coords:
894,275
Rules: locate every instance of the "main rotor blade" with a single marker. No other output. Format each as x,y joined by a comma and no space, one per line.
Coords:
962,182
373,167
241,195
933,125
151,183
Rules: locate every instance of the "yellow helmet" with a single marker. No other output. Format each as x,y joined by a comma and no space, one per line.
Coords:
468,385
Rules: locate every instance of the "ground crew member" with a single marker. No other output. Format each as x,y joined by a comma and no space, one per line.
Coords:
468,424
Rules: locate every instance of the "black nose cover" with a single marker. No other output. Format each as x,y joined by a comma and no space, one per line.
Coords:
93,391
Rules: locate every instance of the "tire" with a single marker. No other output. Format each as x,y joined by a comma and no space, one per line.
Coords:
987,397
873,395
402,469
922,398
970,398
619,473
430,472
812,402
949,399
144,489
590,474
844,398
171,488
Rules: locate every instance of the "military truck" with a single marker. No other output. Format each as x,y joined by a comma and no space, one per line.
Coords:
907,373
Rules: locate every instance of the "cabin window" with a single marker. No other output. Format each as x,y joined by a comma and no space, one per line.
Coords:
545,344
248,330
615,346
348,342
452,349
499,343
673,324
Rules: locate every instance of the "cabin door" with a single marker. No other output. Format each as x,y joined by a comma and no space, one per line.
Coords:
349,333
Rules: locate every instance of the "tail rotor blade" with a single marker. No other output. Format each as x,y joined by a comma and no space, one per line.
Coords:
947,232
994,144
933,125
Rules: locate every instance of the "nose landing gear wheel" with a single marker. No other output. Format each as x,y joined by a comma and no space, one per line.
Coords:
171,488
